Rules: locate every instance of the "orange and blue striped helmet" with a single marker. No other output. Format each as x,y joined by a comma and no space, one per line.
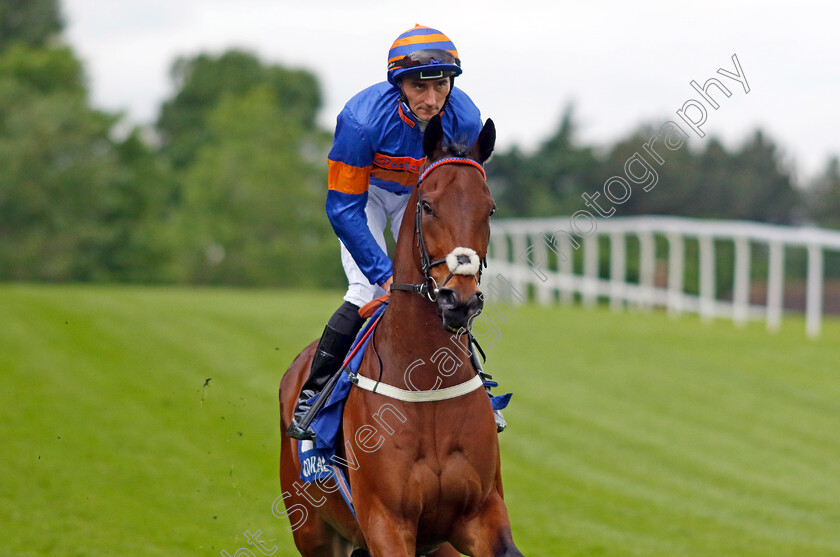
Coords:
424,51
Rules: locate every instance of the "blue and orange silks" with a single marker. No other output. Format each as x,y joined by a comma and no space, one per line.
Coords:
379,143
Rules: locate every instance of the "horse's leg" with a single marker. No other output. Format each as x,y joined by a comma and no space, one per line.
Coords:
313,536
387,535
319,539
488,533
445,550
386,541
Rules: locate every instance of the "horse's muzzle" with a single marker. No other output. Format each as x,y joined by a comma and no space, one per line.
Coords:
457,313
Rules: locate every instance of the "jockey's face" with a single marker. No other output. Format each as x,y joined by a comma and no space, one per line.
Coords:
425,97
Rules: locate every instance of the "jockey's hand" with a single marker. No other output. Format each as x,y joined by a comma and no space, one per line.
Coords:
387,284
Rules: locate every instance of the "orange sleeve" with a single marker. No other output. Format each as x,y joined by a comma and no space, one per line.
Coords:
347,178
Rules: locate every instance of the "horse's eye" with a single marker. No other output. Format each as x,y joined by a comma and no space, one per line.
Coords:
493,211
427,208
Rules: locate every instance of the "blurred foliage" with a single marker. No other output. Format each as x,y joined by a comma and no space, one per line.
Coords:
823,197
229,186
229,189
547,183
241,140
750,183
252,210
30,22
74,204
203,80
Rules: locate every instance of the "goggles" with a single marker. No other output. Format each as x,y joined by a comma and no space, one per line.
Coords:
426,57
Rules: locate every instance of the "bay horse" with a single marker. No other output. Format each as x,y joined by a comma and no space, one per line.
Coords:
425,476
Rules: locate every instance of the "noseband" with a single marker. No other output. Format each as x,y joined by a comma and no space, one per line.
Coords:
429,287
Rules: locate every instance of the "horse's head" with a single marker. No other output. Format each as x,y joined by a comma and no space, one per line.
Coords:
452,223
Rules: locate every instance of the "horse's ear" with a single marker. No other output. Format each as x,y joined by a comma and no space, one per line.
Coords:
483,147
433,137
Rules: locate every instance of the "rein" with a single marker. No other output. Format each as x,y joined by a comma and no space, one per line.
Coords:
429,287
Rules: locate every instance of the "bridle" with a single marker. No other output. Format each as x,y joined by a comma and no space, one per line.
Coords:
429,287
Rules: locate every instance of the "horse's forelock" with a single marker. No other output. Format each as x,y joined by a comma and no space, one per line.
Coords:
457,150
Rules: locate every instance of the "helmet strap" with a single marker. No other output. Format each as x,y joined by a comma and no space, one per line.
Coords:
451,87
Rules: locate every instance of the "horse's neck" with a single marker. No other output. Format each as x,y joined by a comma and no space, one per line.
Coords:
417,352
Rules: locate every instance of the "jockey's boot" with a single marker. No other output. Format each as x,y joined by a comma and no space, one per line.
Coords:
332,348
501,423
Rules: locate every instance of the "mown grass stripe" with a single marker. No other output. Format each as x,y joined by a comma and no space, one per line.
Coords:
631,434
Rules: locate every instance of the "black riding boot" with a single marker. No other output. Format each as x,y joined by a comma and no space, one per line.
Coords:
501,423
335,342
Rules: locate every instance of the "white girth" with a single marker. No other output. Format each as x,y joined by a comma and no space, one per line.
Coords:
416,396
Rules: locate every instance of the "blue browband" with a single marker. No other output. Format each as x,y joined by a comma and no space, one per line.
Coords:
452,160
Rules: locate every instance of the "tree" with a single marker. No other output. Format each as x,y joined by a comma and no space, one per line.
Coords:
252,170
73,203
203,80
253,199
762,185
42,71
550,181
750,183
30,22
823,196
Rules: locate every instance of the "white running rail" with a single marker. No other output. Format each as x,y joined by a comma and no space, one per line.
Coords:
537,255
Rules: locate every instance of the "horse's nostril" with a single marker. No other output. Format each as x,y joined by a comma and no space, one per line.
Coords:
459,311
447,298
478,301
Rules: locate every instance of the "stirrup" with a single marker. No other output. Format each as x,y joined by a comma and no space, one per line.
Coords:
299,428
305,414
501,423
297,432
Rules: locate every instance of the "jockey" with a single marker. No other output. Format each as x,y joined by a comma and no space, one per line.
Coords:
374,164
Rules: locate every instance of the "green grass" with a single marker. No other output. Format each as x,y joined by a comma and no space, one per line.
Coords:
631,434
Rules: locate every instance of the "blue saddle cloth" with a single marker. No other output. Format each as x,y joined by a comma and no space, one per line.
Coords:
327,424
318,459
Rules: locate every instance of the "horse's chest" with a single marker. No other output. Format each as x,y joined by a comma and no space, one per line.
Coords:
449,479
